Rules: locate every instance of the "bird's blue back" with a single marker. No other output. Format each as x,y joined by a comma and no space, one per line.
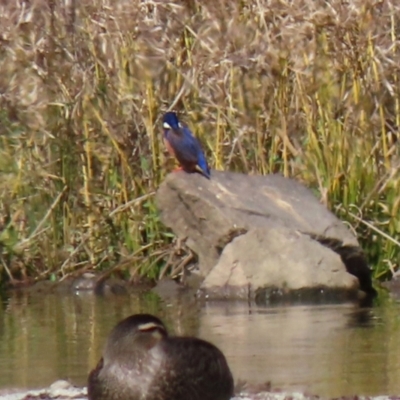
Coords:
194,143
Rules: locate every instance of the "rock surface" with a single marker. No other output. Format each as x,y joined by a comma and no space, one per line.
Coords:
257,235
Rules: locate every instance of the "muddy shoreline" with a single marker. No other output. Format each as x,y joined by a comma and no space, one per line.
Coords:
63,390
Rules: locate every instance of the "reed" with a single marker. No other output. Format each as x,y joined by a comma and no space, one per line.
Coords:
307,88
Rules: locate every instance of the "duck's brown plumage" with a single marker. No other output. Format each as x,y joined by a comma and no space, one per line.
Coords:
141,362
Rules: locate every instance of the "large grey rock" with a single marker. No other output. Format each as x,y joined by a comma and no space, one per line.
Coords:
254,234
276,258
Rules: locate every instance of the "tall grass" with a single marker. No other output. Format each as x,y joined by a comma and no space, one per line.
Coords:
307,88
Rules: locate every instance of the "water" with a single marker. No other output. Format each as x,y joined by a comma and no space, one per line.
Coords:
329,350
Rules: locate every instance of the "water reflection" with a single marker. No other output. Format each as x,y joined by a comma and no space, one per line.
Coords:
327,350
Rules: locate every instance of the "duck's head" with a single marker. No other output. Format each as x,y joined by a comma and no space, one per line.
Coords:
135,334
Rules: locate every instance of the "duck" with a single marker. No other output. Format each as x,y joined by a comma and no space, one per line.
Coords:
141,361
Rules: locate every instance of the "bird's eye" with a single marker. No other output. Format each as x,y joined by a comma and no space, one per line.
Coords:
166,125
180,125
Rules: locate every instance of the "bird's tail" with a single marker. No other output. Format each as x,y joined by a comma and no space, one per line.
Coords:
204,173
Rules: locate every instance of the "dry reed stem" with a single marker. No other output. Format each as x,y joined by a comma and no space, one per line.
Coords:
307,88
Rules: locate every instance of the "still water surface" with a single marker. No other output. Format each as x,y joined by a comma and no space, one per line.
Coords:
328,350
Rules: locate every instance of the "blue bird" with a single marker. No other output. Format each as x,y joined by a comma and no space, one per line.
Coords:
181,144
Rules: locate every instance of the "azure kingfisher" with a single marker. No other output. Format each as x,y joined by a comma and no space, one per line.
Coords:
181,144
